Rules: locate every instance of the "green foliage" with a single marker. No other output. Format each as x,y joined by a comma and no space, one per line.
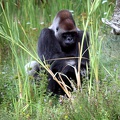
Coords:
21,97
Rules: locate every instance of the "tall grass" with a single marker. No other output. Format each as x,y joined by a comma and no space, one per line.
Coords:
21,23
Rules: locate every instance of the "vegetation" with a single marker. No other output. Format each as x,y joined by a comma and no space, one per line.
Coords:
22,98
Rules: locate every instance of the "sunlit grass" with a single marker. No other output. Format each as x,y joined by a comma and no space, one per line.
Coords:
22,98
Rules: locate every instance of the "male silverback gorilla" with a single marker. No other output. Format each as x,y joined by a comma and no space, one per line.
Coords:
61,40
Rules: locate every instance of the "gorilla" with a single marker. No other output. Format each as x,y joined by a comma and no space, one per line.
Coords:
59,41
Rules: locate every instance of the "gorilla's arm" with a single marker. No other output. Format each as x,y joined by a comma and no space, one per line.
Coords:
48,46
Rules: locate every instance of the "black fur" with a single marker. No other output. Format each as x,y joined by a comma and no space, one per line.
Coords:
49,47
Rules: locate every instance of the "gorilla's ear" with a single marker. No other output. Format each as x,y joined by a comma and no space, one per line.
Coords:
32,68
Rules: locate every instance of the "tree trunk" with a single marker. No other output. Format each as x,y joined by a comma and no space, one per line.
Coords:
118,3
114,23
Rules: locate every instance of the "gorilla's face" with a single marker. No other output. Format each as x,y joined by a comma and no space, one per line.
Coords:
67,39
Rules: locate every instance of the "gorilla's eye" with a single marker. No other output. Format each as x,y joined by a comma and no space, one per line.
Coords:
57,28
64,35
